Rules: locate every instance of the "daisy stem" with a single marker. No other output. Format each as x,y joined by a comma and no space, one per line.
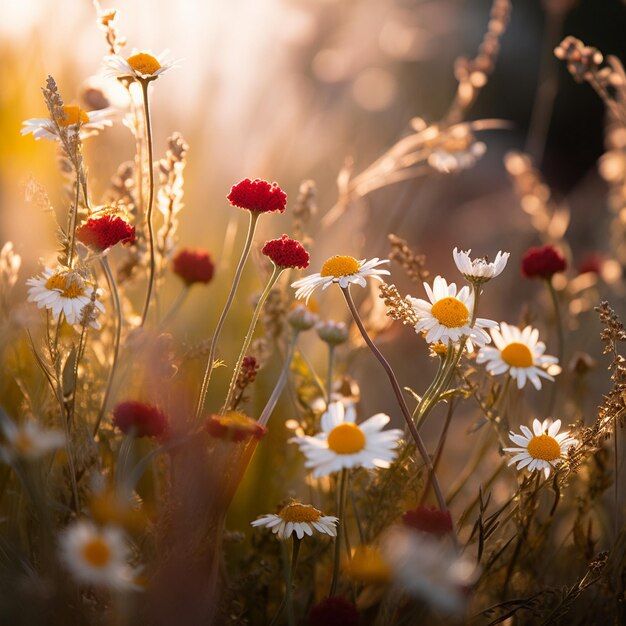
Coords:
399,397
341,507
79,356
282,381
72,224
288,597
276,272
442,440
220,323
431,397
329,374
144,88
117,307
449,367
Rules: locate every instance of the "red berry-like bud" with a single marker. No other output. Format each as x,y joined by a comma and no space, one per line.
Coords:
140,419
429,520
543,262
104,232
258,196
285,253
193,266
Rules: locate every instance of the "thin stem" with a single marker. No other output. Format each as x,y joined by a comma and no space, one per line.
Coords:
144,88
442,440
180,298
399,397
79,356
248,338
282,381
616,482
450,365
546,88
72,225
117,307
220,323
288,597
341,507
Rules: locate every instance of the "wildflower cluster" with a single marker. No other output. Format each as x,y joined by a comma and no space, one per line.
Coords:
268,446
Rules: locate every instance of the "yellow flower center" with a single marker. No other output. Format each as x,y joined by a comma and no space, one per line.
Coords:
346,438
73,115
451,312
296,512
340,266
368,566
96,552
68,288
544,447
143,63
517,355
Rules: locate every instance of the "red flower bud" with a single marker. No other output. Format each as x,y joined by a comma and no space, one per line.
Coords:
543,262
105,231
140,419
429,520
286,253
193,266
258,196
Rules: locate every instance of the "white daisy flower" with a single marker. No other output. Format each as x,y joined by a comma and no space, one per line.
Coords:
63,291
28,441
479,270
139,66
429,569
448,315
541,449
344,444
96,556
519,353
87,123
301,519
344,270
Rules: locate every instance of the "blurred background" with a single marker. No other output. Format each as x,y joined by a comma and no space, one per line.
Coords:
287,90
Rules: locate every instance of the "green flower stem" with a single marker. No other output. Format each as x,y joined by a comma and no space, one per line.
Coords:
281,382
288,597
400,398
220,323
72,223
449,367
341,507
276,272
117,307
144,88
